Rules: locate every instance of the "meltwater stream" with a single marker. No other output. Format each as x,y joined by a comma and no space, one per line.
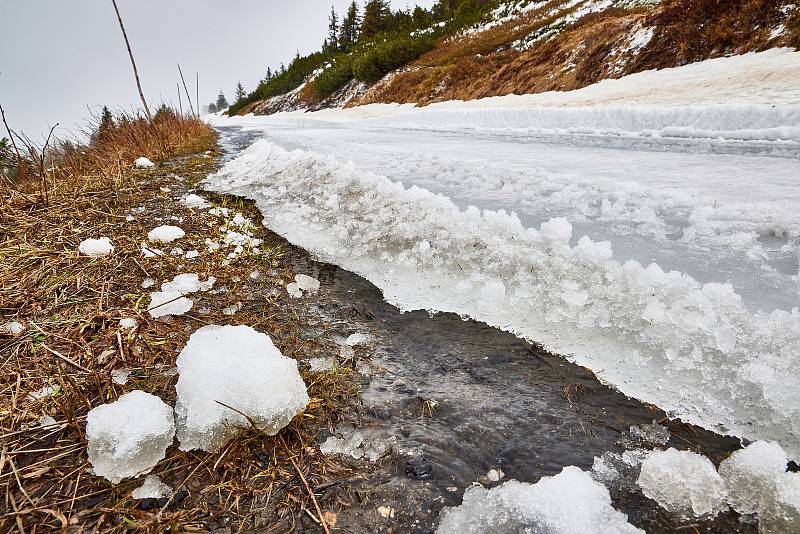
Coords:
459,398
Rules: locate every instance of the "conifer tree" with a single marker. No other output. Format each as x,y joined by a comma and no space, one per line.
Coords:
348,35
240,92
333,31
212,108
222,102
376,17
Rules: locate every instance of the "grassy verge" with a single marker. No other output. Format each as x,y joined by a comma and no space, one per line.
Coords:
71,306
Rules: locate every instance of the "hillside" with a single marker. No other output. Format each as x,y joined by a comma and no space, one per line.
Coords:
525,47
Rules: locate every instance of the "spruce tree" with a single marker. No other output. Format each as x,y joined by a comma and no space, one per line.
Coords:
348,35
333,31
212,108
240,92
222,102
106,124
376,16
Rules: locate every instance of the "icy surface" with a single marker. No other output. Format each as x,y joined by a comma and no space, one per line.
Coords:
130,436
144,163
683,483
307,283
669,267
227,372
96,247
568,503
152,488
165,234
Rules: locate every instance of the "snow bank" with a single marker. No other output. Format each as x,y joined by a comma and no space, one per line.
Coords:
130,436
693,349
568,503
230,376
96,247
165,234
683,483
144,163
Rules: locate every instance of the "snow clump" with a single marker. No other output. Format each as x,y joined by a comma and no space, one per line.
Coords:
683,483
96,247
230,376
128,323
309,284
144,163
14,328
171,299
758,483
195,201
165,234
567,503
130,436
152,488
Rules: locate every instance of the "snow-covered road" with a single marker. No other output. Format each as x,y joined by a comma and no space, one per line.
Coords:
656,242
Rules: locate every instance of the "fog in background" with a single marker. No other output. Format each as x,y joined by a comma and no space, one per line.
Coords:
62,60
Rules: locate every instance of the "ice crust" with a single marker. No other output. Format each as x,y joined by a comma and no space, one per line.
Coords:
130,436
693,349
165,234
152,488
96,247
144,163
567,503
683,482
228,371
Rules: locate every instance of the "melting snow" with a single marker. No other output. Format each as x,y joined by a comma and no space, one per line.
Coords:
165,234
130,436
96,247
230,376
144,163
152,488
195,201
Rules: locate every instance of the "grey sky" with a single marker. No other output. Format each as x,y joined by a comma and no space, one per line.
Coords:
58,58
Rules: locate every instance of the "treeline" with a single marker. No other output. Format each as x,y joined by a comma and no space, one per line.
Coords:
365,44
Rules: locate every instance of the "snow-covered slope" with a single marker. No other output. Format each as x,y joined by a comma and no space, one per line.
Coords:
645,227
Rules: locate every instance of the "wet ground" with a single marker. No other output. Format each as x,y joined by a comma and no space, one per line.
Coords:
457,398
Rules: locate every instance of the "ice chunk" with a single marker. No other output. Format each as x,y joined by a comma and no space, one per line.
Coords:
557,230
130,436
144,163
195,201
148,283
14,328
46,420
568,503
683,483
307,283
163,303
358,338
192,254
152,488
128,323
47,391
782,514
619,471
230,376
495,475
165,234
653,435
321,364
294,290
120,376
96,247
358,444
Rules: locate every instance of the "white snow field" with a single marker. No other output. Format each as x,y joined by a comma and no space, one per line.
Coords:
232,377
647,228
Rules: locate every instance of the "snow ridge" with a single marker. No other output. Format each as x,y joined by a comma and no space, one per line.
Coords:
694,349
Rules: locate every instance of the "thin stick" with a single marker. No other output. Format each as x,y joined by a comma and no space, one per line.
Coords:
180,99
197,93
308,488
191,108
133,62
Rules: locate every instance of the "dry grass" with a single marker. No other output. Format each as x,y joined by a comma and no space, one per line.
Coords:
586,51
71,306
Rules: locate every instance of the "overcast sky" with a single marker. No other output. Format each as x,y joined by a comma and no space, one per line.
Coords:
61,58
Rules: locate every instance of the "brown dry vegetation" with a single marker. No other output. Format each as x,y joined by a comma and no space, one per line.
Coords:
583,53
71,306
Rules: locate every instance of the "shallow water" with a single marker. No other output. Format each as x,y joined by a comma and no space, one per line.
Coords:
498,402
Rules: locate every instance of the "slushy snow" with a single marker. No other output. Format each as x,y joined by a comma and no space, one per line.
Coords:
152,488
130,436
165,234
144,163
228,371
567,503
96,247
684,483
